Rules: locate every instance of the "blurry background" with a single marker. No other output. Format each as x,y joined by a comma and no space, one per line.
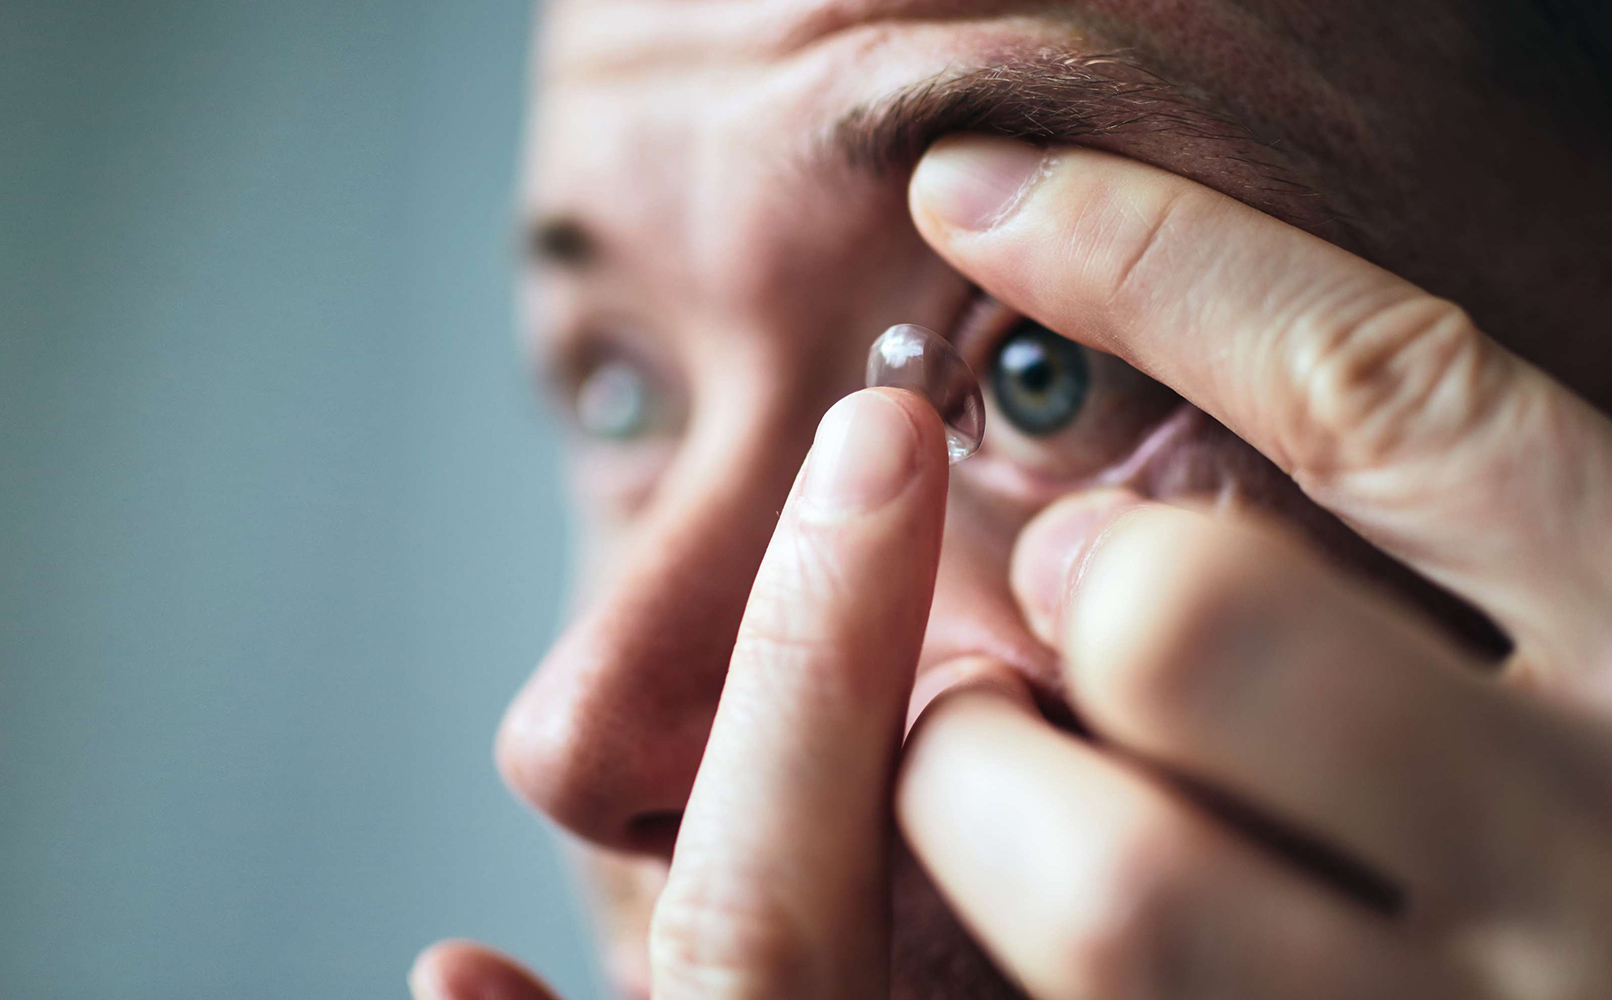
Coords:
279,519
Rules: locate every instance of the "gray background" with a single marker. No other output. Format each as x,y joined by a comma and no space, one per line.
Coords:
279,520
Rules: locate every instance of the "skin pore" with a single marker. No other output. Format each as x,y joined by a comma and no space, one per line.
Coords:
717,198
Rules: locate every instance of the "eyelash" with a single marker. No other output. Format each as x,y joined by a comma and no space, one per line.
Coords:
980,325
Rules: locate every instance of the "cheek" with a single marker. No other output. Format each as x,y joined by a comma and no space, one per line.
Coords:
621,892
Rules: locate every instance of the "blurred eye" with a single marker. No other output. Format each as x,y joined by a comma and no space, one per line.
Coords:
625,416
1038,379
613,401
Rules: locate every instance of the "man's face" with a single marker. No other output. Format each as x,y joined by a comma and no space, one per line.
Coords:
716,197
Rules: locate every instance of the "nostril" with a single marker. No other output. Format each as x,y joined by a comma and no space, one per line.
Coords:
654,832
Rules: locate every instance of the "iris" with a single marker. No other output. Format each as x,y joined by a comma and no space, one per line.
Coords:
1038,379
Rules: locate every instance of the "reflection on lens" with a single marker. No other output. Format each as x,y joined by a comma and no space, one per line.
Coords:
911,357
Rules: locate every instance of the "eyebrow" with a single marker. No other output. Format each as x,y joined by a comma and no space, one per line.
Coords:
561,241
1048,98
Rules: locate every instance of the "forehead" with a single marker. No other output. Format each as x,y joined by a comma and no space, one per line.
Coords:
675,87
614,35
697,138
701,125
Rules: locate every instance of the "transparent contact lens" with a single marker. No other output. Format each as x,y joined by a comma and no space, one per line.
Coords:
911,357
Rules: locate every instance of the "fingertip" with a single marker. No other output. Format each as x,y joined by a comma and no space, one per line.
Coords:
1050,550
927,426
464,970
952,706
426,975
869,446
1156,589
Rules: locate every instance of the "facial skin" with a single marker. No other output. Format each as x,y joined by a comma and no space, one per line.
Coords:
718,197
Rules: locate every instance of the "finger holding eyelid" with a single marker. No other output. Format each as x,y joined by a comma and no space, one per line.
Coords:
1088,877
1387,405
1048,552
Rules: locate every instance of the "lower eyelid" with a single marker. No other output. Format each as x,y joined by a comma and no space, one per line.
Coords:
1148,453
1122,407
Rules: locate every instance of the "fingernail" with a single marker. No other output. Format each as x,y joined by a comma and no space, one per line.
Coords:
974,182
1049,550
864,453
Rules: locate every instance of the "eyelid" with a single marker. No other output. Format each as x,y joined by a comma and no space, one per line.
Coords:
979,327
568,352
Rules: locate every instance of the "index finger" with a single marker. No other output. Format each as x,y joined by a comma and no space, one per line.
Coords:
778,883
1383,402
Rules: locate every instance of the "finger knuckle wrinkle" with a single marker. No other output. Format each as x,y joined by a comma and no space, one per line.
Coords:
781,645
727,942
1138,234
1368,386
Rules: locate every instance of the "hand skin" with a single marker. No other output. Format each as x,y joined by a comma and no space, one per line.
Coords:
805,736
1204,651
1219,653
715,196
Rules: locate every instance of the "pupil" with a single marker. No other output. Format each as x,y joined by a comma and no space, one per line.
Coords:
1037,377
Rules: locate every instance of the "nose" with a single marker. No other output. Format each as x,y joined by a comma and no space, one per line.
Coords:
606,736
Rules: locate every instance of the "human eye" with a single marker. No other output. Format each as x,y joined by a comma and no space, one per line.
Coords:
1038,380
615,401
623,409
1058,413
612,392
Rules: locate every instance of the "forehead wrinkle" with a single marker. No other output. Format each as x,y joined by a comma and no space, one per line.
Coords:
830,17
589,39
593,40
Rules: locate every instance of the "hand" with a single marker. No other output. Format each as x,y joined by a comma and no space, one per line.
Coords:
1216,660
778,886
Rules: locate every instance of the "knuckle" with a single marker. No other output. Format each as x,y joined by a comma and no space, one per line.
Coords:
1123,932
722,938
1412,369
1130,234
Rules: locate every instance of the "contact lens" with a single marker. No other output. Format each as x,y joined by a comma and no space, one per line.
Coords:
912,357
